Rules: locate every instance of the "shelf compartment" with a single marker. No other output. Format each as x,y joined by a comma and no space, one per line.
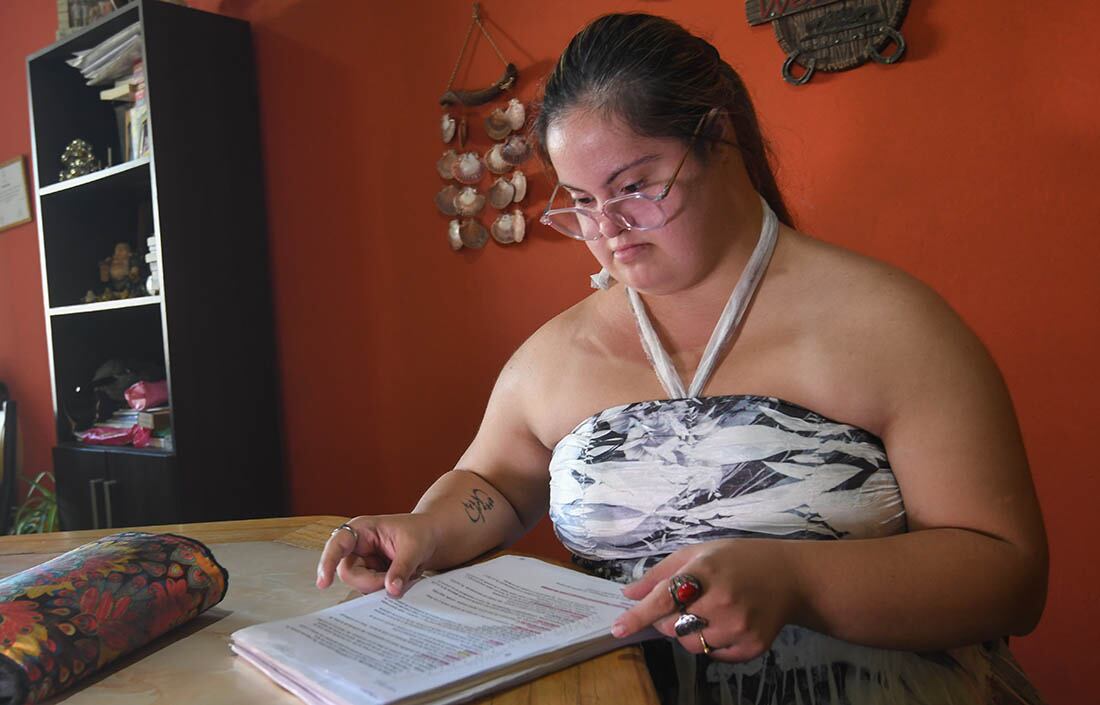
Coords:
105,306
82,344
63,108
82,225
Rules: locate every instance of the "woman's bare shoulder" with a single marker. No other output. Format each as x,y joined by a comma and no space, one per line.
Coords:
583,329
877,332
858,293
574,363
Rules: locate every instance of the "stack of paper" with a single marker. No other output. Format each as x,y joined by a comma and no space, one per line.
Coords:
450,638
112,58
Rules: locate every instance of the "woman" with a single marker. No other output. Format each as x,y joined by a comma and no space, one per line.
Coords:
836,399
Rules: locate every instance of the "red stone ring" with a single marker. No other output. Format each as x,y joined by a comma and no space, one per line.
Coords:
684,589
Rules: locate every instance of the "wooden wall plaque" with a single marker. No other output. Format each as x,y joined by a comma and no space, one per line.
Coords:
832,35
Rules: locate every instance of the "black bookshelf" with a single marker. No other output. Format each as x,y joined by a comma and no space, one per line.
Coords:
200,195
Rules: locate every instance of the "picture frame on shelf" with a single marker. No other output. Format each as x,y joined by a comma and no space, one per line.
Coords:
73,15
77,14
15,199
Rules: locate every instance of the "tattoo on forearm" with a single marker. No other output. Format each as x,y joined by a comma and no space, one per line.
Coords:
476,506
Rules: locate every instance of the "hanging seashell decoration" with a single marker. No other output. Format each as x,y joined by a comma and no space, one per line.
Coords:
473,234
445,200
469,202
468,168
497,125
447,128
454,235
494,160
446,164
501,193
515,114
462,201
515,150
462,133
509,227
519,183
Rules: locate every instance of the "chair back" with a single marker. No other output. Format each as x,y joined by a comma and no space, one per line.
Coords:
8,469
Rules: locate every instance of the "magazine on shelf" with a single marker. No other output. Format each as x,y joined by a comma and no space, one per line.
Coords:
451,637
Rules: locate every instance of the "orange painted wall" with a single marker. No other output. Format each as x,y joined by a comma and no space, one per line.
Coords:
25,27
972,165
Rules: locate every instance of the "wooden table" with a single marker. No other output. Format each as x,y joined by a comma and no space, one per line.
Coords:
194,664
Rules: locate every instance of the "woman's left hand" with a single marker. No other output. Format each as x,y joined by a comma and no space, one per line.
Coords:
750,591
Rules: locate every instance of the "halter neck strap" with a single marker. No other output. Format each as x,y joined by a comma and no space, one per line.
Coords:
727,324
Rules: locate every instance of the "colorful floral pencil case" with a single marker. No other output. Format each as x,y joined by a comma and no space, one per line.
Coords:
67,618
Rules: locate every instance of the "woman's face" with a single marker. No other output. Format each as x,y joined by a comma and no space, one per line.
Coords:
597,158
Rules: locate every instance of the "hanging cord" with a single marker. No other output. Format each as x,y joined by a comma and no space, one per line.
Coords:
470,30
484,95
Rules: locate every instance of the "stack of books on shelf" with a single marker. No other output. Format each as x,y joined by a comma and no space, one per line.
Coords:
138,117
159,422
152,258
123,418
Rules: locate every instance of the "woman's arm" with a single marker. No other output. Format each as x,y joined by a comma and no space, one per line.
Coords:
496,492
974,565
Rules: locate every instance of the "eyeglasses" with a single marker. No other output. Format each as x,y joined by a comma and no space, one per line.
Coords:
632,211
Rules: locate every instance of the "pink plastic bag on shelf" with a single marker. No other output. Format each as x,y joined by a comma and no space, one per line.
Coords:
142,436
107,435
146,395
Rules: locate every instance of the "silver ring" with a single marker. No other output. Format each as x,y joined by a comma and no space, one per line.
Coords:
689,623
349,529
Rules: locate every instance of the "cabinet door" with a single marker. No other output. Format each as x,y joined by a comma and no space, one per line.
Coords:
79,474
140,490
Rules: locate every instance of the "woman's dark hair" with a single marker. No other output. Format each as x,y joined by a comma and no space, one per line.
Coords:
660,80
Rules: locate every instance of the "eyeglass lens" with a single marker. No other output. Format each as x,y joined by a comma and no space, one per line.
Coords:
637,213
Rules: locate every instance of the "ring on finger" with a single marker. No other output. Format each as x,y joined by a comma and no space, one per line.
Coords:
707,648
689,623
684,589
346,527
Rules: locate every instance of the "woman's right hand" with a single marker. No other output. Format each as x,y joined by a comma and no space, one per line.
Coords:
391,552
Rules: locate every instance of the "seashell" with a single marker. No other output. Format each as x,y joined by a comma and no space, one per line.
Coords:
473,234
454,236
515,114
445,200
446,163
519,182
509,227
501,194
469,202
447,127
494,160
516,150
468,168
497,125
519,224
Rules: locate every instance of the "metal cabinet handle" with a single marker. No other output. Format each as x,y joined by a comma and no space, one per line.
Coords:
95,502
107,502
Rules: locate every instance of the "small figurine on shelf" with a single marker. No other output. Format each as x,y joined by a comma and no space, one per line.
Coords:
78,159
123,274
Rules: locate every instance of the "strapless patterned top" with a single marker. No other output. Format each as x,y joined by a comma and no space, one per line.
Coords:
633,483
